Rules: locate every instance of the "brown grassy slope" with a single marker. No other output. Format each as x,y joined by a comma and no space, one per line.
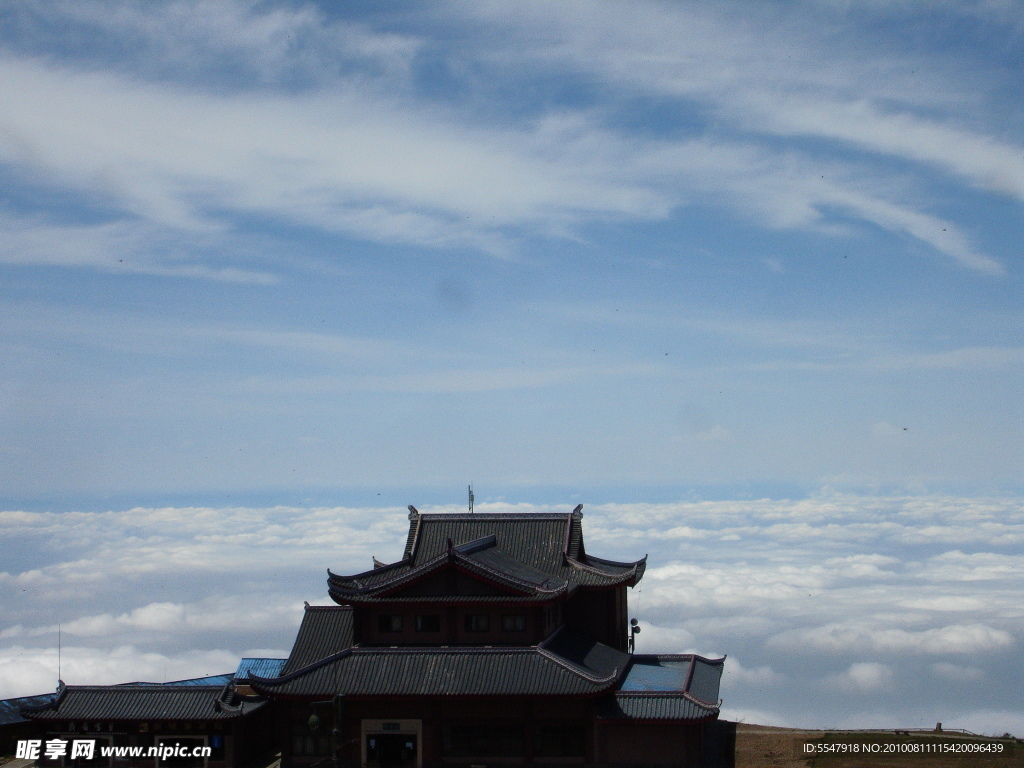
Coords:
762,746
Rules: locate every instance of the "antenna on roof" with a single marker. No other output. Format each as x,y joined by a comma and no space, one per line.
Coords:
58,655
471,498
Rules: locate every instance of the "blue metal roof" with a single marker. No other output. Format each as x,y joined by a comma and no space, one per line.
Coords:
207,681
259,667
667,687
10,709
653,674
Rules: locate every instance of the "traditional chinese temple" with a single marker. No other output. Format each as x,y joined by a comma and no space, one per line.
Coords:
496,639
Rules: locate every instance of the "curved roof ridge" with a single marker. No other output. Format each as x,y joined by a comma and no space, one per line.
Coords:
58,696
122,687
221,701
335,577
576,669
615,577
257,681
679,657
461,558
668,694
470,547
620,563
582,671
696,700
532,586
335,582
435,516
409,552
309,607
445,649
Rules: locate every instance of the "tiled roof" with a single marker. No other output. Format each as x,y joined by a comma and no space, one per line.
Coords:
536,540
325,631
533,556
654,706
666,687
570,667
143,702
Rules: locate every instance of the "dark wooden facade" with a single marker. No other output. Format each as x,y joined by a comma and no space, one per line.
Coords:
495,640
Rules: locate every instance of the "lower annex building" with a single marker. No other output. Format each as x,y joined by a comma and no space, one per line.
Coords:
496,639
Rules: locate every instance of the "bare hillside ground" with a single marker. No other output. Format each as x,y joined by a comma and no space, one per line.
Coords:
762,746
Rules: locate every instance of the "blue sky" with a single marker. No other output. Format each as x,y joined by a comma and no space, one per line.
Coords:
353,254
270,247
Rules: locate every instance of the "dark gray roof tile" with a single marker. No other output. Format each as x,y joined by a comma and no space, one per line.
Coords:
540,553
325,631
143,702
654,706
572,667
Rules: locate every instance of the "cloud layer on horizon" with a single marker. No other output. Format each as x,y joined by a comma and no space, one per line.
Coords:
834,611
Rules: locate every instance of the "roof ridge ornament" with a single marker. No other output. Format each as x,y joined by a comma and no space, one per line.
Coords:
578,512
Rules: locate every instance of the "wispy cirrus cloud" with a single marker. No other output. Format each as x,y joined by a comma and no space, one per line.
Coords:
346,160
755,77
119,247
330,132
219,40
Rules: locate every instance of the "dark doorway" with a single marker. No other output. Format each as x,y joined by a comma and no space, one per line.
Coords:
391,750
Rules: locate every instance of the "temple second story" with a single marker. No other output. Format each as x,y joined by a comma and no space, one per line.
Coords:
489,579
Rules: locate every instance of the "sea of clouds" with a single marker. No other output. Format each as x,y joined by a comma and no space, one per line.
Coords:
835,611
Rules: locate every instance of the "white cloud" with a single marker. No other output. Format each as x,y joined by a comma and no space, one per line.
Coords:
865,677
274,44
736,675
353,150
946,603
982,160
347,160
757,717
653,638
30,671
842,638
769,73
800,592
120,247
990,722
